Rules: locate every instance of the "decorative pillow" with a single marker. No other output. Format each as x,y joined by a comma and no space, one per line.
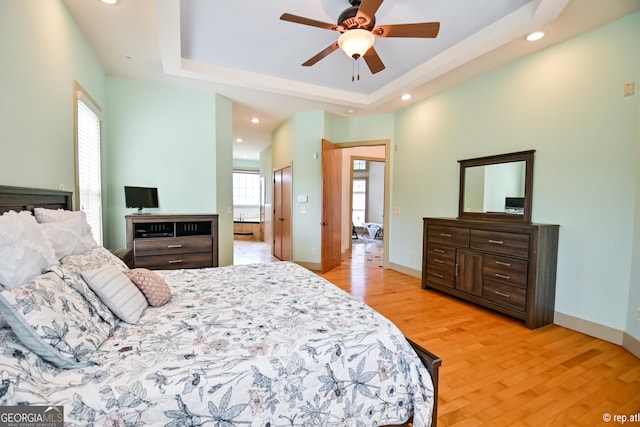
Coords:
44,215
72,276
24,252
93,259
118,292
154,288
69,237
52,320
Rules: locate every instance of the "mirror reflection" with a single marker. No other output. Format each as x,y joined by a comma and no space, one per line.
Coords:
496,188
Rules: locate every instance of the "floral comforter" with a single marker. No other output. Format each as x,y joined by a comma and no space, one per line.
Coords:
253,345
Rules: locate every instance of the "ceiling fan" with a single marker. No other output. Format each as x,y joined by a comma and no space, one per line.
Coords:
358,31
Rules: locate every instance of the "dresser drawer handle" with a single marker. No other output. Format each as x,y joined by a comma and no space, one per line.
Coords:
438,275
440,251
496,242
439,261
502,276
502,294
506,264
175,261
174,246
446,235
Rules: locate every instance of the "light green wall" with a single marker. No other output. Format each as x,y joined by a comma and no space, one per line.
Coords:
566,103
160,136
246,164
43,52
222,186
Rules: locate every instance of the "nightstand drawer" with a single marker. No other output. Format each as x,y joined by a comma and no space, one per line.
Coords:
505,295
513,244
168,246
175,261
509,271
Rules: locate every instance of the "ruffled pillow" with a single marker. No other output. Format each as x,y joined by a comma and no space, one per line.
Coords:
24,252
68,231
69,237
154,288
44,215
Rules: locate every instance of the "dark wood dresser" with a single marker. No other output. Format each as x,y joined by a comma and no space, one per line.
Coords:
508,267
164,242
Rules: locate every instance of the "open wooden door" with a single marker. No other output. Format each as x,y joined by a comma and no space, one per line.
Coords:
282,182
331,206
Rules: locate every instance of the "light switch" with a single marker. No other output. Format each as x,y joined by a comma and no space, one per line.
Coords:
302,198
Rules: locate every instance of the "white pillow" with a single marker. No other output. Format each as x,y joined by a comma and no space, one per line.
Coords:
71,236
24,252
117,292
52,215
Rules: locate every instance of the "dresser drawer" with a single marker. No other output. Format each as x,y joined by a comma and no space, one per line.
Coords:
440,276
167,246
175,261
505,295
454,236
505,270
513,244
441,256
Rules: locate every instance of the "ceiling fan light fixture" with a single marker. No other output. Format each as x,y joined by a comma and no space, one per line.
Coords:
355,43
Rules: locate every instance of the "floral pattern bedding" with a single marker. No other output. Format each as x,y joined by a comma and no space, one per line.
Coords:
254,345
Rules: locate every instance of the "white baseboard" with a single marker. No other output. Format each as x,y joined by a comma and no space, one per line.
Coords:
632,344
406,270
596,330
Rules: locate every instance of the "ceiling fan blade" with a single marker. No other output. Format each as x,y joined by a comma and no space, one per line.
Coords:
373,61
366,11
321,55
307,21
421,30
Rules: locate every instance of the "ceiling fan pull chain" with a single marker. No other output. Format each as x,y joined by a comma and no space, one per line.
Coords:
353,70
358,61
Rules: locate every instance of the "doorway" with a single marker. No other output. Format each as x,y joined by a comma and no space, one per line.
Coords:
380,151
282,205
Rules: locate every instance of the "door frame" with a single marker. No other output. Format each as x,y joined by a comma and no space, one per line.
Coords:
387,186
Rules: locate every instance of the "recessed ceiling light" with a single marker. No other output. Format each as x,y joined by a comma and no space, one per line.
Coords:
239,139
537,35
255,120
109,1
350,111
406,97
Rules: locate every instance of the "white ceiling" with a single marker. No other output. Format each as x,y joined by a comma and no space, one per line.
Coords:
242,50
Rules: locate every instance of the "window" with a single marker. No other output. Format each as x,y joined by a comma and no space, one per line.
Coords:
359,202
88,170
246,195
359,165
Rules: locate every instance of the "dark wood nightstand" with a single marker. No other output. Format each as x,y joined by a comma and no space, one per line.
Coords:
126,255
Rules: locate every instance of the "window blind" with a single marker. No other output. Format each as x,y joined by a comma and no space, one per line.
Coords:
88,166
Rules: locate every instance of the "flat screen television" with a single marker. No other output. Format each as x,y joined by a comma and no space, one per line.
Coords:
514,205
141,197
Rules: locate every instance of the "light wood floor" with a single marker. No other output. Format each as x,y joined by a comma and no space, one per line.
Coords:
495,371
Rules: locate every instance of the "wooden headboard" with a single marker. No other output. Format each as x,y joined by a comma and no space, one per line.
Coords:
20,199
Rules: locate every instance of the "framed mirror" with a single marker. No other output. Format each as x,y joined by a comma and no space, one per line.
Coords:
497,187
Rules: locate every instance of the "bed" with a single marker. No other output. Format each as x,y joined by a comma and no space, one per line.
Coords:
254,345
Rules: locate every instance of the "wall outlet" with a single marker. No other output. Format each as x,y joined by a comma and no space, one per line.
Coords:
638,314
413,255
314,251
628,89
